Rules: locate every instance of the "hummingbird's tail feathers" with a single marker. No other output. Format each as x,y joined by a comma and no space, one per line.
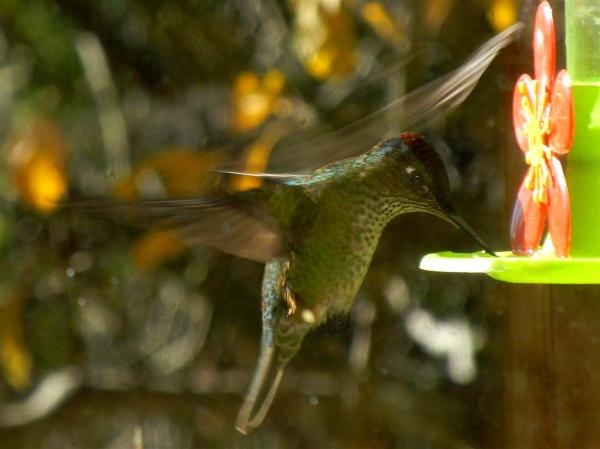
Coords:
412,112
261,391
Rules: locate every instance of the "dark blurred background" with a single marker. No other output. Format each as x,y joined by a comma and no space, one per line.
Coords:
114,337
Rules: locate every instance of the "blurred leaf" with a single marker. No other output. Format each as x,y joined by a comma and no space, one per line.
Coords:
324,38
46,33
255,99
49,331
154,248
36,160
14,355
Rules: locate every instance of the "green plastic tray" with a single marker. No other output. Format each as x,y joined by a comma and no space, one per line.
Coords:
537,269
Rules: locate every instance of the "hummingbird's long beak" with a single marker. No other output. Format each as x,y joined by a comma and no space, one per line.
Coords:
458,221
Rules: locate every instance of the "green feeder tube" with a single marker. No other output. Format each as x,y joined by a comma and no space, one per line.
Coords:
582,18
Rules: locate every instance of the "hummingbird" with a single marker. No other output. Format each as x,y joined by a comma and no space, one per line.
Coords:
316,232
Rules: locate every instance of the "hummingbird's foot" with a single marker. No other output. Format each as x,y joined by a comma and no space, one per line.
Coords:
290,300
288,295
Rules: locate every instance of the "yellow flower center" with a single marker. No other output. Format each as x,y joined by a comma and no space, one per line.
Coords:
537,110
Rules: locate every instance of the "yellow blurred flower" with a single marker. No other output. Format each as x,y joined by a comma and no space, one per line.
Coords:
154,248
376,15
434,13
36,160
15,357
324,37
255,99
503,13
256,157
178,171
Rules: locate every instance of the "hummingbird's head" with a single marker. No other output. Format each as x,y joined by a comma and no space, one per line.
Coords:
413,174
417,179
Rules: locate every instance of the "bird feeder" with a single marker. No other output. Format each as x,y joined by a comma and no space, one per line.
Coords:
553,114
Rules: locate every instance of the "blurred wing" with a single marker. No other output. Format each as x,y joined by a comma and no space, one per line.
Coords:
225,223
409,113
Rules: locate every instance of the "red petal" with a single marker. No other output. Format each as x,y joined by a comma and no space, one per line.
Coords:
561,114
559,210
519,112
527,222
544,45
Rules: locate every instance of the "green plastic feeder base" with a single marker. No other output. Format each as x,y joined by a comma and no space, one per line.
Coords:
537,269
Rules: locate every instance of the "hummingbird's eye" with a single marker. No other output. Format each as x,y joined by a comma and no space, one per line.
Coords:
416,180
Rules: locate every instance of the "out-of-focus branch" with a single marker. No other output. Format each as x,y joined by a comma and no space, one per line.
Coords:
50,393
112,120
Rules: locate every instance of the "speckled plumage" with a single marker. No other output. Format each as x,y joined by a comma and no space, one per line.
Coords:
332,220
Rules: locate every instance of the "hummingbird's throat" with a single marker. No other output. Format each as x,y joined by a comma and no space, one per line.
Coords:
536,108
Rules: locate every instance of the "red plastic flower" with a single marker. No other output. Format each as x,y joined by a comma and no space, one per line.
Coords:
543,122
